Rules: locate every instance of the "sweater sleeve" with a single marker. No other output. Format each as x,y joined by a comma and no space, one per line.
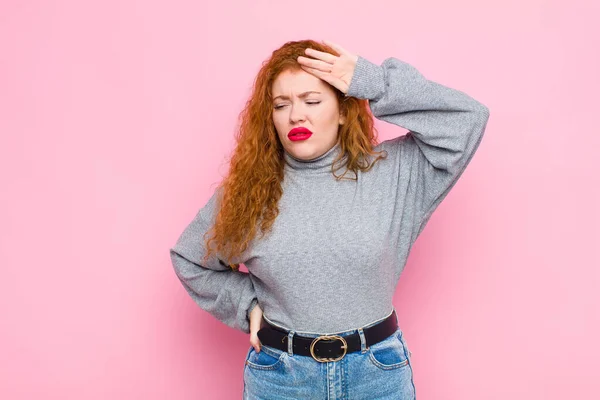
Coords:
226,294
445,128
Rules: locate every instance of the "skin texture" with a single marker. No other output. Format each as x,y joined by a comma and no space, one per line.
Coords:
318,112
318,70
255,318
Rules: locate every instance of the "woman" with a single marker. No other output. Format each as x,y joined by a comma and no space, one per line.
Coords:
331,246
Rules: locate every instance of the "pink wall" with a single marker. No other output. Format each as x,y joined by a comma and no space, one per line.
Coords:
116,120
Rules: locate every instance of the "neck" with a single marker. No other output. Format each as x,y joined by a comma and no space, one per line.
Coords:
320,164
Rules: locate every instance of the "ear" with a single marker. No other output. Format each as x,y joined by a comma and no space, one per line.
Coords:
342,119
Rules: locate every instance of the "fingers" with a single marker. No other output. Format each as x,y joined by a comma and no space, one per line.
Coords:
255,320
336,47
321,55
255,342
326,76
316,64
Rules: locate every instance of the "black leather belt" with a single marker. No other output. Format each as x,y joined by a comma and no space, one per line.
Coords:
326,347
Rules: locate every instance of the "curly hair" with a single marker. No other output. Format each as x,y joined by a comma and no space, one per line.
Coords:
252,189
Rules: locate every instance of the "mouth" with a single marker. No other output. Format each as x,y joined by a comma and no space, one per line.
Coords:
299,133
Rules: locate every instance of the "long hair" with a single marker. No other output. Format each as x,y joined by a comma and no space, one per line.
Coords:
252,189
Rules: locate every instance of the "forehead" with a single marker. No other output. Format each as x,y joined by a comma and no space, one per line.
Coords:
294,82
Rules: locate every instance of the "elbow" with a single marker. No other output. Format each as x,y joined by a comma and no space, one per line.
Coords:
479,119
484,116
483,113
176,262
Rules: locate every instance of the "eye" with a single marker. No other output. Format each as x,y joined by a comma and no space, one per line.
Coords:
312,103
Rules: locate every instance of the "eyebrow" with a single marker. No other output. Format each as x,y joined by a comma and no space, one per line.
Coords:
301,95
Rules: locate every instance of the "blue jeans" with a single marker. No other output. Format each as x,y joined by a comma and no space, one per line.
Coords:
383,371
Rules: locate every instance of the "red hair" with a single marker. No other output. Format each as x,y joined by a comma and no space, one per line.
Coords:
252,188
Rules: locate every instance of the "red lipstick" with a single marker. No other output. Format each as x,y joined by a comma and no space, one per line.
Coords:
299,133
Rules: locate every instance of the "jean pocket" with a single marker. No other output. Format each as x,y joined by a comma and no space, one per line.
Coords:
390,353
269,358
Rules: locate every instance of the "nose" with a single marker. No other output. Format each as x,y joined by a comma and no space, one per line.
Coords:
297,115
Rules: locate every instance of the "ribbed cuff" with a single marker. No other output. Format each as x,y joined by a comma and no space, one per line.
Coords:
367,81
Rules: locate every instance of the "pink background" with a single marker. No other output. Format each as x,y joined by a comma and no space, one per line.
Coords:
117,118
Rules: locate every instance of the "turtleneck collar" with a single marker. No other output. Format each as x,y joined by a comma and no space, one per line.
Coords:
321,164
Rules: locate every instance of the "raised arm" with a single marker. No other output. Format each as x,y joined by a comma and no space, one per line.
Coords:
445,128
226,294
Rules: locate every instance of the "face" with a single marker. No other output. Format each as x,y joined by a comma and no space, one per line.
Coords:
301,99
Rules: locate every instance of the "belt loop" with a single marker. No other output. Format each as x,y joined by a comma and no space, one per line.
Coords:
363,341
290,344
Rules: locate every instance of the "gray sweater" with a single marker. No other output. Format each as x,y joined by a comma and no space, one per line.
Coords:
337,248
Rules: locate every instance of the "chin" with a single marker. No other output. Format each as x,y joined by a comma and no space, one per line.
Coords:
308,154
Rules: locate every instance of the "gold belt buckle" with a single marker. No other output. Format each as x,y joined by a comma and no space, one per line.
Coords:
323,337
